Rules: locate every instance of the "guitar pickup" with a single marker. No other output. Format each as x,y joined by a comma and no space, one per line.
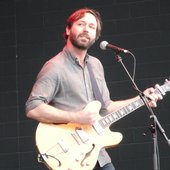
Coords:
82,135
63,145
98,128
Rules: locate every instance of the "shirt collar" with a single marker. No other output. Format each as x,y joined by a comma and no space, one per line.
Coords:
73,57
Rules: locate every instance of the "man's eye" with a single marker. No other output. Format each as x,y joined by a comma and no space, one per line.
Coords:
92,27
80,24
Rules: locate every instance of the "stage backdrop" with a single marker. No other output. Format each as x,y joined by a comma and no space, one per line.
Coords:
31,33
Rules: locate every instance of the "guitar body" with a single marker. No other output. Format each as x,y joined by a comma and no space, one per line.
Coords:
75,146
72,146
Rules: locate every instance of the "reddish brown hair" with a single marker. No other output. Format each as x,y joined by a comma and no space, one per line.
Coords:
79,14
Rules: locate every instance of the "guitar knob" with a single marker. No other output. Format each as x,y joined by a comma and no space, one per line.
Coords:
77,159
87,164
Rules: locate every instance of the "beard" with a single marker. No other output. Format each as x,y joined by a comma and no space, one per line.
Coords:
79,43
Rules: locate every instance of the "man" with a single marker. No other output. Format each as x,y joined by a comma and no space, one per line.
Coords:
63,87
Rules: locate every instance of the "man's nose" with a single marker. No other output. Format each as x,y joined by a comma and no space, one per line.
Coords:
86,28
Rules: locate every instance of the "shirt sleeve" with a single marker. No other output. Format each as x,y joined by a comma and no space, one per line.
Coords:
44,88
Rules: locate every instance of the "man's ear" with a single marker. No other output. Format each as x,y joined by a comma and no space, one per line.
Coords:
67,31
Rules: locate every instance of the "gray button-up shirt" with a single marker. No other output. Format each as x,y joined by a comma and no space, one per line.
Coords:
64,84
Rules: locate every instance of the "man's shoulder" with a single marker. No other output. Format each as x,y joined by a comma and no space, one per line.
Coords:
94,60
57,58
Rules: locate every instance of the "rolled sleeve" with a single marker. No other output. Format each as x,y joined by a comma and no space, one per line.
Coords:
34,102
44,88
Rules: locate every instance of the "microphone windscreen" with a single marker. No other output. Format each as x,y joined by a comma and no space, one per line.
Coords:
103,45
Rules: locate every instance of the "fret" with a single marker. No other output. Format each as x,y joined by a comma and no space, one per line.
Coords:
130,107
141,103
115,116
103,122
136,103
107,120
135,106
118,114
110,118
125,110
122,112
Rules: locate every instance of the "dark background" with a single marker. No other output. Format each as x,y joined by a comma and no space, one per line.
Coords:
31,33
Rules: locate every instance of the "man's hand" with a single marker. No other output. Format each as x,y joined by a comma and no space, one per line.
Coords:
153,97
89,114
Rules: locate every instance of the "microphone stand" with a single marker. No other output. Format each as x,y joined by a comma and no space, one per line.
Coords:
156,125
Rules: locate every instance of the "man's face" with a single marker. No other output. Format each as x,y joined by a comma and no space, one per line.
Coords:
83,32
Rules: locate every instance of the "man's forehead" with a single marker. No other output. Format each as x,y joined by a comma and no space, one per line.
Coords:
88,17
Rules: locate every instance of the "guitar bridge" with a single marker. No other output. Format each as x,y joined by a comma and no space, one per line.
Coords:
63,145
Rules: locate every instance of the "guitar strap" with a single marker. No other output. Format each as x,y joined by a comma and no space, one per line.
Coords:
95,87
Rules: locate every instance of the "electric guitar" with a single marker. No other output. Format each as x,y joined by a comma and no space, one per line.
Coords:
75,146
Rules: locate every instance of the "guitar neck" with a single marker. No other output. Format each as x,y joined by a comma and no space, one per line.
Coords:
115,116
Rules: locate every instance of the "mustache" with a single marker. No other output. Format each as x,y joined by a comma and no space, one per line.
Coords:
84,35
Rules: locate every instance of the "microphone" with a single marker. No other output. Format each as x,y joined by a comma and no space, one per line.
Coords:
104,45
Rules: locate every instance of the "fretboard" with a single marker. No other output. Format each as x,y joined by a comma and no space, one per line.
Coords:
115,116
